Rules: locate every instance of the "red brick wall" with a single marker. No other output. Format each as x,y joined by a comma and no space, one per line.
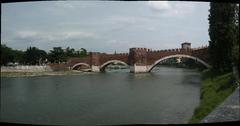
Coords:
58,67
72,61
139,56
106,57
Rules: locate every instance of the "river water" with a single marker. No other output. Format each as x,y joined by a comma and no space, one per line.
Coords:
166,95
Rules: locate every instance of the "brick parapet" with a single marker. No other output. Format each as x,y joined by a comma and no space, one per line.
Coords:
140,56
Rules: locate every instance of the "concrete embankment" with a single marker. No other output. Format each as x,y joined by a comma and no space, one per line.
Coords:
27,68
31,71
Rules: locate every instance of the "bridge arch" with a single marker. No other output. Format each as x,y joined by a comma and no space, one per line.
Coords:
179,55
104,65
78,64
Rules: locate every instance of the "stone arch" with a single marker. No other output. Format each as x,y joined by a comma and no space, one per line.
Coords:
78,64
103,66
179,55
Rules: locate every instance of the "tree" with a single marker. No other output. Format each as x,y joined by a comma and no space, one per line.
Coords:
18,56
6,55
57,55
222,35
70,52
235,49
34,56
83,52
10,55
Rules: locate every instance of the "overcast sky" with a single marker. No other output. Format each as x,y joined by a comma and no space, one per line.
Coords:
104,26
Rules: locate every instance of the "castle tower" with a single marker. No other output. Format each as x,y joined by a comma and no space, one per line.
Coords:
138,60
95,56
186,45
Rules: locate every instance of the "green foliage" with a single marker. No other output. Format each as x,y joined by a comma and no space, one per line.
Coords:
235,50
190,63
34,56
83,52
57,55
214,90
222,33
6,55
70,52
10,55
18,56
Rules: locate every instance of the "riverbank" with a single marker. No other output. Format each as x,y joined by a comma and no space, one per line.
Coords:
45,73
26,68
229,110
214,90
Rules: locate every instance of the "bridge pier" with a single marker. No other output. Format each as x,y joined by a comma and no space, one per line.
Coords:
95,68
140,60
138,69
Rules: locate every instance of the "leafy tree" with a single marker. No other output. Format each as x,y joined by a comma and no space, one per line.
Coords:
6,55
10,55
222,35
83,52
57,55
80,53
34,56
18,56
235,49
70,52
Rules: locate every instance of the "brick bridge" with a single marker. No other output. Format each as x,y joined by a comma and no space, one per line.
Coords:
139,59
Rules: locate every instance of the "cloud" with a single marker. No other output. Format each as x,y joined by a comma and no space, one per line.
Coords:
127,20
78,34
54,36
171,9
63,5
59,8
159,5
26,34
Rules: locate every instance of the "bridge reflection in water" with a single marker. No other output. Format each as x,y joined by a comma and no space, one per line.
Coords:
166,95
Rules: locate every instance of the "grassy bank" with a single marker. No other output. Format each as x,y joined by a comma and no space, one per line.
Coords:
32,74
214,90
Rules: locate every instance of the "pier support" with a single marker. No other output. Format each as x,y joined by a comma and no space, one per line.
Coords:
95,68
138,69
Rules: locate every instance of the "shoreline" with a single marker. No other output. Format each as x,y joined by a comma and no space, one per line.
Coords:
213,92
44,73
48,73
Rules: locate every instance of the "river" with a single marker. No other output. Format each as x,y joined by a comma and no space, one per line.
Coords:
166,95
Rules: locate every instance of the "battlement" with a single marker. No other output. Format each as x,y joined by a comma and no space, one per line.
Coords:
165,50
138,58
94,53
139,49
118,54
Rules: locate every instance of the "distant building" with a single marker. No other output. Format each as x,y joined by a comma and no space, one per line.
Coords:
186,45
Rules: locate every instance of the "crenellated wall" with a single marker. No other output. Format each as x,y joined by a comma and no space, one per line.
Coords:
72,61
137,56
139,59
107,57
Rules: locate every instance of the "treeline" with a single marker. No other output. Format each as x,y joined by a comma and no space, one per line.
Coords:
224,37
36,56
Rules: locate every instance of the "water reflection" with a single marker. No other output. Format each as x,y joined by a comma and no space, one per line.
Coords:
165,95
